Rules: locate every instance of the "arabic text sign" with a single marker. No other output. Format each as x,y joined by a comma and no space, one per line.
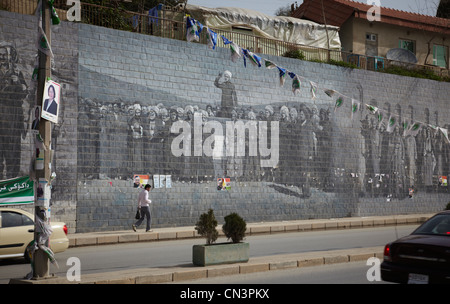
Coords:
17,191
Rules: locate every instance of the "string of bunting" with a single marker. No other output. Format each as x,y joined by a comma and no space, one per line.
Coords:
194,28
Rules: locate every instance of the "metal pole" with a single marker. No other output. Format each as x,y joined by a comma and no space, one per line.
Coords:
40,259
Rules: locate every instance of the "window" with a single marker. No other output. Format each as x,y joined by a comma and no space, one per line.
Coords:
14,219
407,45
440,55
371,37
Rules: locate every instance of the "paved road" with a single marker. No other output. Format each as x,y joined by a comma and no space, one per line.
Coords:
346,273
106,258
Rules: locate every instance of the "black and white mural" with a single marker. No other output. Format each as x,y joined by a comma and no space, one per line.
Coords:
287,156
290,144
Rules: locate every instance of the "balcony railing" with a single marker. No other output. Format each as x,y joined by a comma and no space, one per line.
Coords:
171,24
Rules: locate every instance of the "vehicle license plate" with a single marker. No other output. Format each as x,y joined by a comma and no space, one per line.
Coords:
415,278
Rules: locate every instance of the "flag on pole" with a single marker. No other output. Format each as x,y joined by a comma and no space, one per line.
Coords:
42,43
17,191
55,18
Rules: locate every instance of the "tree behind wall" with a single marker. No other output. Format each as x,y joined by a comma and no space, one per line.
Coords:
443,10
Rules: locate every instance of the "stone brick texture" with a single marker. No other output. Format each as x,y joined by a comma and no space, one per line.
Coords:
135,104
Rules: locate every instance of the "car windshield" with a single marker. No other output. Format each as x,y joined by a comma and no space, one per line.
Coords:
439,224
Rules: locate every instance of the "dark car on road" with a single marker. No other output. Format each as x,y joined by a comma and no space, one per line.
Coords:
423,257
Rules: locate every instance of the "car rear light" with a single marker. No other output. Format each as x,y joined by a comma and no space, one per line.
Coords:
387,253
65,229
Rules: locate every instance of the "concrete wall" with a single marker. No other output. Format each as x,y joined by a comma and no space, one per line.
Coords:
332,165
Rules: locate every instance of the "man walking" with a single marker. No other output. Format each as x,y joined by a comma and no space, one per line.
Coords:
144,206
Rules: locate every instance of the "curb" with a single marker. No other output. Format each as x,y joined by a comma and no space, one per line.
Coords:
189,272
170,234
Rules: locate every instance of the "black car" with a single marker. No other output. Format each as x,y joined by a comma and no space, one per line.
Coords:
423,257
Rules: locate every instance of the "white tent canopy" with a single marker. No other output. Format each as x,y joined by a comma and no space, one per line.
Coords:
288,29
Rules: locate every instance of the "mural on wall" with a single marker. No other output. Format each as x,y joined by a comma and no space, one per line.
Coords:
14,92
118,139
191,144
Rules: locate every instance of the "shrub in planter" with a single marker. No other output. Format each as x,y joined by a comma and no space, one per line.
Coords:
206,226
221,253
447,207
234,227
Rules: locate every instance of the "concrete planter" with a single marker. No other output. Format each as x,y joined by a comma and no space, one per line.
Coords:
221,253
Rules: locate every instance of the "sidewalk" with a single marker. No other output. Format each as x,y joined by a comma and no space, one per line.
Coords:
179,273
167,234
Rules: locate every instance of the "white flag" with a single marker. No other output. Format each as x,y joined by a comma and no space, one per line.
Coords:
42,43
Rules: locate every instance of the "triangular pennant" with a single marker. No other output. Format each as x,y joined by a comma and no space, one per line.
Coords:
372,109
330,92
296,84
380,116
282,75
55,18
42,43
356,107
236,51
415,128
314,88
193,29
405,127
269,64
392,122
211,39
339,102
445,133
254,59
225,40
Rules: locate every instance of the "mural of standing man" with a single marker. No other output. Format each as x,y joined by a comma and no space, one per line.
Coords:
229,97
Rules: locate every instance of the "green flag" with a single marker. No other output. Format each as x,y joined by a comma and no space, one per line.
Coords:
17,191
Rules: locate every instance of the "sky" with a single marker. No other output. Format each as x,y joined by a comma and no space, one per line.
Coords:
269,7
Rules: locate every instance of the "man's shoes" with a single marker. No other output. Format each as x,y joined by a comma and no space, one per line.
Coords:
149,230
134,228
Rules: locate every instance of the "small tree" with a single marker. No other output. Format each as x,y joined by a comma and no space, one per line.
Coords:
206,226
234,227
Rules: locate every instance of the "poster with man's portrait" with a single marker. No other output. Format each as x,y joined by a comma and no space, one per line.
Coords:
51,101
36,119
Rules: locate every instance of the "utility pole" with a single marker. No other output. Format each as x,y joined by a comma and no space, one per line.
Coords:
40,258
